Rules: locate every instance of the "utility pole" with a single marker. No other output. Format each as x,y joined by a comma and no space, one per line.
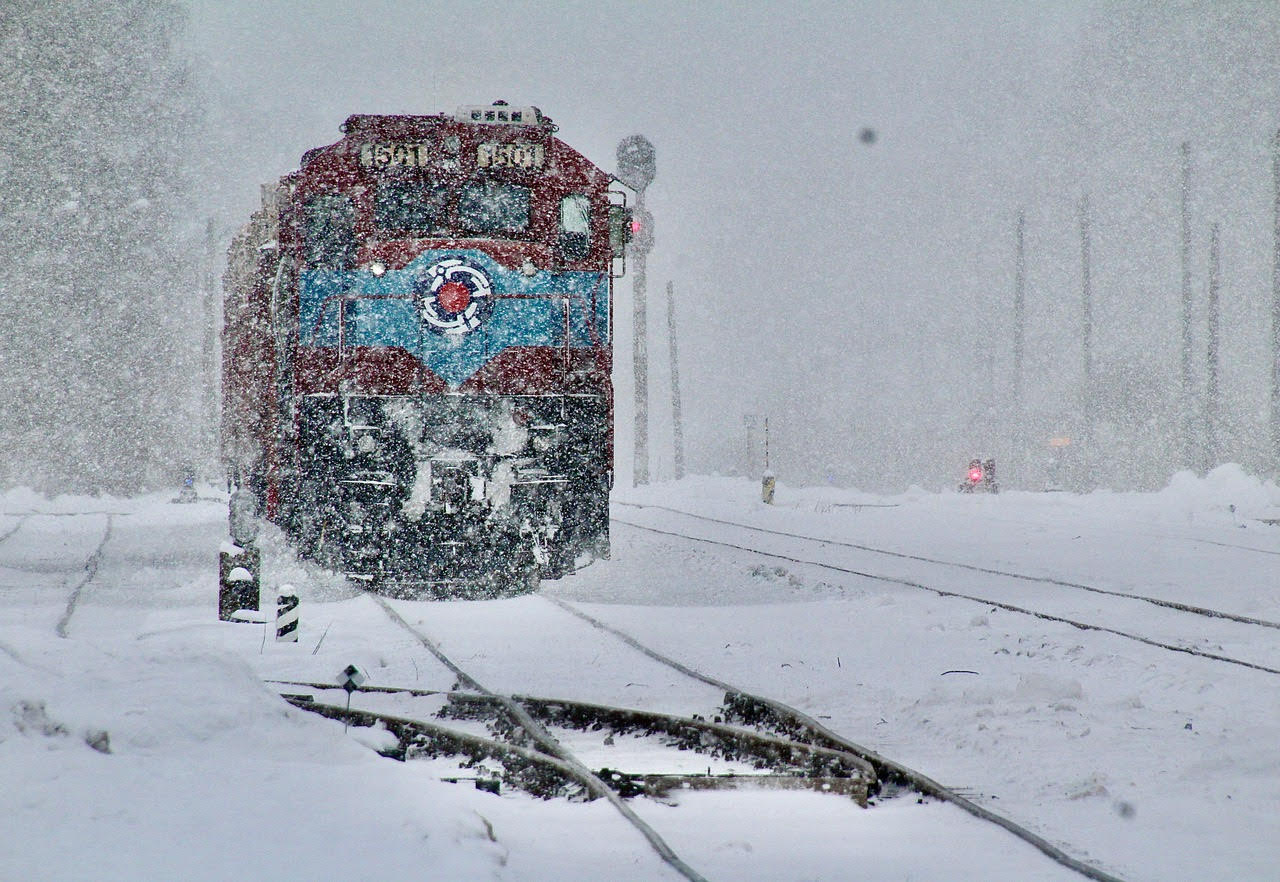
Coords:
210,381
1275,311
1211,408
1086,324
636,169
1187,408
1019,313
767,482
640,359
677,424
749,423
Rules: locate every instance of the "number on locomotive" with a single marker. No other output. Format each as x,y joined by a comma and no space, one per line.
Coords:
388,155
514,155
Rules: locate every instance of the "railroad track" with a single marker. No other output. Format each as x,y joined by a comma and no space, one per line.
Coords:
1040,519
540,744
90,571
22,519
77,583
1168,624
724,737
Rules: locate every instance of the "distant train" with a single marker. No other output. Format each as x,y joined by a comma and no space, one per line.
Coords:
417,352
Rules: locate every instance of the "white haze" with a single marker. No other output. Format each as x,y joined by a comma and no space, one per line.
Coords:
858,294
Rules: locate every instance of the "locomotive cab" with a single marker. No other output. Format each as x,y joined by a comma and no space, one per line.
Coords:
417,386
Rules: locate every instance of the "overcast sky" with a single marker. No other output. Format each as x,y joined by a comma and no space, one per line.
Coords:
855,292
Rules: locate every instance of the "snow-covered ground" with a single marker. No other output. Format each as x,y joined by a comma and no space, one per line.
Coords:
145,745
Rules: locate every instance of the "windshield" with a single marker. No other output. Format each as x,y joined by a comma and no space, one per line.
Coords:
493,207
411,206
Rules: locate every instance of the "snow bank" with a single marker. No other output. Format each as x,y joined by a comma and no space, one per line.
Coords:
1224,487
179,764
1227,489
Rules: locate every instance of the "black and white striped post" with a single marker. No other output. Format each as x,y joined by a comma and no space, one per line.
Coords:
287,615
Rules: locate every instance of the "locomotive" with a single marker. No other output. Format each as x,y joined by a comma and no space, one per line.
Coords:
417,352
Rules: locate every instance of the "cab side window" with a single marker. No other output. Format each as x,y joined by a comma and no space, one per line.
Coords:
575,226
329,231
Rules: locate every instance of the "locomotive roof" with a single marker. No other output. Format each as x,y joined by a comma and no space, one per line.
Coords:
509,120
499,113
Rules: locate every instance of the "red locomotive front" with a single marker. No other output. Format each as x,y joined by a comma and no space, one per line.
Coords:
417,351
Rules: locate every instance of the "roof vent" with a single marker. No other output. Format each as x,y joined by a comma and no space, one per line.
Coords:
499,114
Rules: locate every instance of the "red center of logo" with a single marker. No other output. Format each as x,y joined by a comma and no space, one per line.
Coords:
454,296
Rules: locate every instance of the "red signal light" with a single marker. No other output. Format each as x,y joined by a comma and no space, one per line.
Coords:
635,226
975,475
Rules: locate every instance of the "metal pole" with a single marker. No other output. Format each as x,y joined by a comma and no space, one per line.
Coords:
209,374
767,481
640,358
677,424
1275,311
1086,323
636,169
1019,312
1187,407
1212,366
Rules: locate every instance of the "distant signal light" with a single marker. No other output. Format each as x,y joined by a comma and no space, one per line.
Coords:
980,476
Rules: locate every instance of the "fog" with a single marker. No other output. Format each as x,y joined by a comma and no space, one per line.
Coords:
858,293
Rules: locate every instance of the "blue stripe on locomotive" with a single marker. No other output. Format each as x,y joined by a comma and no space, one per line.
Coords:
388,313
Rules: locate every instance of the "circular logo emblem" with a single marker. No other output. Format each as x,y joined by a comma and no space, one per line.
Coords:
457,298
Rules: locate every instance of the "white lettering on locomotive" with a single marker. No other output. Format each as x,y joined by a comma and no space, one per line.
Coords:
516,154
395,154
